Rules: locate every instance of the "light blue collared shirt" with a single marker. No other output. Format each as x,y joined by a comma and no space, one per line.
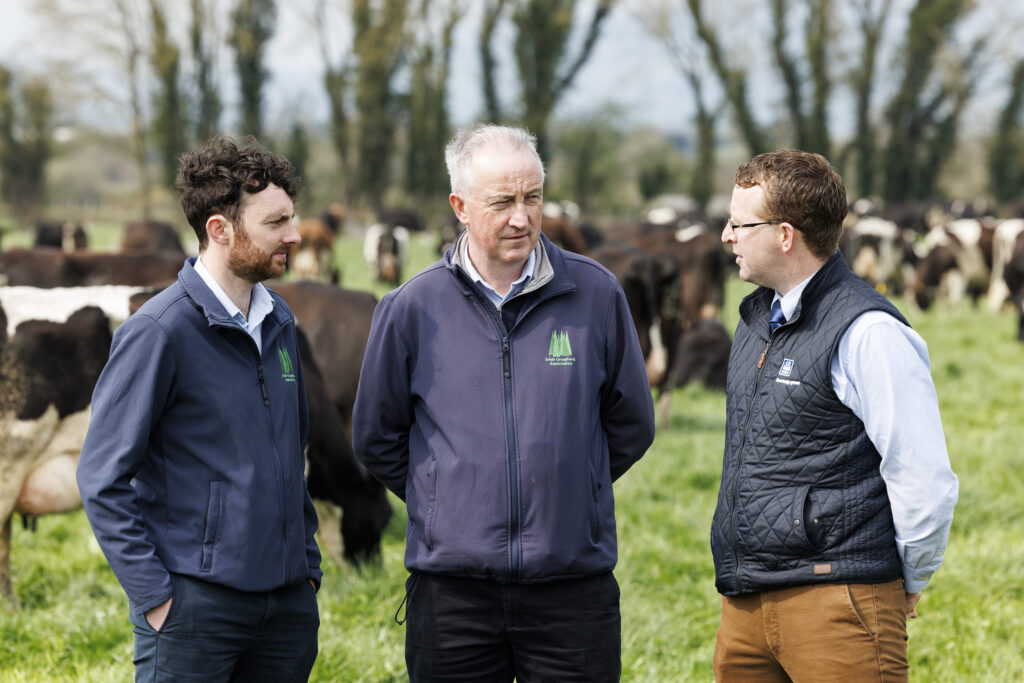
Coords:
260,305
881,372
517,286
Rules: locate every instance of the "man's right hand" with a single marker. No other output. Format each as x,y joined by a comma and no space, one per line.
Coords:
158,614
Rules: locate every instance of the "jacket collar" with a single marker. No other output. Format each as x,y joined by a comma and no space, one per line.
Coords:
756,305
550,268
211,306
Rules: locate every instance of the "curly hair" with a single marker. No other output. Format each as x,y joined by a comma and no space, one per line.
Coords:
802,189
212,178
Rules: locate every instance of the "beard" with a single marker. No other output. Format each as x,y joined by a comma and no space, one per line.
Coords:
251,263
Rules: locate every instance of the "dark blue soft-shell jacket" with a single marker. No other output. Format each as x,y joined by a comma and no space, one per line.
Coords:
504,442
193,462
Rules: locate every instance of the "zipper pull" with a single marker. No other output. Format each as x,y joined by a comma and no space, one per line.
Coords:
764,354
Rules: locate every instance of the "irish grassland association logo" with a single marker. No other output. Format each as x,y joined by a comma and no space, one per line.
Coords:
287,371
560,350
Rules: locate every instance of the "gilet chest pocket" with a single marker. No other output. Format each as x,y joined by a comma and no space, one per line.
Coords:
211,522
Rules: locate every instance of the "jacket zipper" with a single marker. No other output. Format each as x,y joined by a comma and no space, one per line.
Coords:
739,458
513,464
277,460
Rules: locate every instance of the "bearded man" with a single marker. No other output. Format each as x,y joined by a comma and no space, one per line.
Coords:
192,472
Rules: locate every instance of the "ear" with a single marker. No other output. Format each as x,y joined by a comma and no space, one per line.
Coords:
218,229
788,236
459,206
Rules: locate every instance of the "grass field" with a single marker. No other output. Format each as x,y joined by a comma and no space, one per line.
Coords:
73,626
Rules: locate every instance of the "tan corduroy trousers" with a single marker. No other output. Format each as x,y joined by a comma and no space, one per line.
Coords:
824,632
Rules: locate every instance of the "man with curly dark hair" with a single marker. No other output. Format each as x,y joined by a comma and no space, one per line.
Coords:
192,473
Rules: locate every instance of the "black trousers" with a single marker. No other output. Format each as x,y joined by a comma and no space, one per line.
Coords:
461,629
215,633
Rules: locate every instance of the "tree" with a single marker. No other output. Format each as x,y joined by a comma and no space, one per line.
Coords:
379,45
113,31
662,23
540,45
298,150
924,113
492,13
429,126
208,105
871,22
1006,150
732,80
252,26
588,150
25,144
169,121
810,128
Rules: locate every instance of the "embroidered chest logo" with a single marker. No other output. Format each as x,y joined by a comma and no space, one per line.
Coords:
287,370
560,350
788,364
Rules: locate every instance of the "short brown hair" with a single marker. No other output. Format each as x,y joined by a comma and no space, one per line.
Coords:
212,178
802,189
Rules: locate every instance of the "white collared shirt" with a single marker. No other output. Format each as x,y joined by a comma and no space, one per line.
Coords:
881,372
260,304
517,286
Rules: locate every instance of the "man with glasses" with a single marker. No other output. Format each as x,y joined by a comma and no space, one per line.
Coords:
837,493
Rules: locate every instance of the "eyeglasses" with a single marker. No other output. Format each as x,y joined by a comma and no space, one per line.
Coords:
750,225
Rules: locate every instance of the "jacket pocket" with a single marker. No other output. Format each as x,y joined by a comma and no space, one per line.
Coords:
820,511
211,522
595,506
428,524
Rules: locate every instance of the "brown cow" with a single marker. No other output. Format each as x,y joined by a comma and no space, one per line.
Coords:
67,236
49,267
336,323
146,236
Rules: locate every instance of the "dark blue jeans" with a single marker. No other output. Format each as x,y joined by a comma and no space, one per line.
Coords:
215,633
461,629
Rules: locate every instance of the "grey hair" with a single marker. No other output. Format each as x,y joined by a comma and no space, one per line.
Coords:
458,154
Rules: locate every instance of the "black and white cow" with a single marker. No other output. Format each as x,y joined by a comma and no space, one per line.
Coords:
48,370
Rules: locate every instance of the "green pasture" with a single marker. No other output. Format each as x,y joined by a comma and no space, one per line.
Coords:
73,625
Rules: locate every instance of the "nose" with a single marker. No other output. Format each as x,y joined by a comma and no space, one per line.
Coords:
291,235
728,234
519,217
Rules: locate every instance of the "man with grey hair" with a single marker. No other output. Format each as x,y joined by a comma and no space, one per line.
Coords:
502,392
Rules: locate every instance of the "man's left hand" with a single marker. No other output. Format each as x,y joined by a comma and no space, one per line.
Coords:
912,599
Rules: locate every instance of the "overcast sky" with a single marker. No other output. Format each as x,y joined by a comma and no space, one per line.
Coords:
627,68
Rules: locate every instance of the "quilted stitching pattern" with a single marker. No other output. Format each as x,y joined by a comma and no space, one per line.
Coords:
800,480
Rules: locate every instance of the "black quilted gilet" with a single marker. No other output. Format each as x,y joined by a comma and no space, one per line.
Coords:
802,500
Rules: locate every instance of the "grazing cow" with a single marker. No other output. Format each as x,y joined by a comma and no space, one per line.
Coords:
66,236
146,236
1013,274
47,374
49,267
56,304
563,233
702,356
650,284
336,324
875,250
1004,243
958,261
703,265
450,231
385,250
407,218
313,257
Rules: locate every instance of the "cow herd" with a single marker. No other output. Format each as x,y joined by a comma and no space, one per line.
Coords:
59,302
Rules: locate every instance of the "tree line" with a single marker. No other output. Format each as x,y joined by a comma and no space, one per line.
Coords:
386,72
